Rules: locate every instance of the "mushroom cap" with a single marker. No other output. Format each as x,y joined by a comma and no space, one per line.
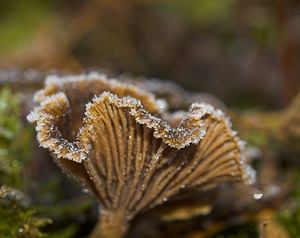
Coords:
116,141
177,98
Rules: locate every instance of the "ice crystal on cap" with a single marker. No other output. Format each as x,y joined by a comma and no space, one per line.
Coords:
113,138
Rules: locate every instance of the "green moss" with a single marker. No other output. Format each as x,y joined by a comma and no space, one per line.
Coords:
204,11
17,219
20,222
10,126
15,140
290,217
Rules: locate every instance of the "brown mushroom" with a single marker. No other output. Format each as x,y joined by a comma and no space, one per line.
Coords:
112,137
176,97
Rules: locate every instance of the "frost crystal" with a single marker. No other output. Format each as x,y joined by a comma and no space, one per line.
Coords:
123,146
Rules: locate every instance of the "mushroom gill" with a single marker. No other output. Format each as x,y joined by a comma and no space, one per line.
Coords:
116,141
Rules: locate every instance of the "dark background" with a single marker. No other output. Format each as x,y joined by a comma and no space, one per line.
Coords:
246,52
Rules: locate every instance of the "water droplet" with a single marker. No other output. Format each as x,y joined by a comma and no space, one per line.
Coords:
162,104
165,199
258,195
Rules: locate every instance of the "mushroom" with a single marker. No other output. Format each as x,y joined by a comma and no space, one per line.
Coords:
176,97
117,141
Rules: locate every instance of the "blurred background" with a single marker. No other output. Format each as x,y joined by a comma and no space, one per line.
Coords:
245,52
236,49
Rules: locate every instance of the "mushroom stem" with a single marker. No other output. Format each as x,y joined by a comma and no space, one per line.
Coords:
111,224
